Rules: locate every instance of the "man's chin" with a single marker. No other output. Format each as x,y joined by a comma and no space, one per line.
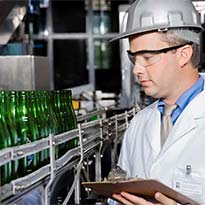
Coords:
150,93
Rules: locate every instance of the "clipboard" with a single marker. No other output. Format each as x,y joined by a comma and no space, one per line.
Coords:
145,188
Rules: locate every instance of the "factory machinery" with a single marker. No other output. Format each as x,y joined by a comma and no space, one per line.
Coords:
95,132
98,133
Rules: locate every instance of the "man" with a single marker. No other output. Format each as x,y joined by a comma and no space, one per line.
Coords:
164,48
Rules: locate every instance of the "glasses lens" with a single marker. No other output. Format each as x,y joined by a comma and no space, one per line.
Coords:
131,58
144,59
149,59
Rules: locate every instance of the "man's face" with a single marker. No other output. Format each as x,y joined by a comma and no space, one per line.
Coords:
159,75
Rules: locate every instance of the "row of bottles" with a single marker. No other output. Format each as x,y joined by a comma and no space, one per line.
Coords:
27,116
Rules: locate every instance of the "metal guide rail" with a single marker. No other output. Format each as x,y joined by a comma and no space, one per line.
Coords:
93,134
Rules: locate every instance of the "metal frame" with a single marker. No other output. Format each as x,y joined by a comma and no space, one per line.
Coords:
93,136
89,36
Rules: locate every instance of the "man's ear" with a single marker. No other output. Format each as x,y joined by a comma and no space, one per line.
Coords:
184,55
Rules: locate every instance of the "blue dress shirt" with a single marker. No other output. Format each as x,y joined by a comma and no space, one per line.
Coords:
184,99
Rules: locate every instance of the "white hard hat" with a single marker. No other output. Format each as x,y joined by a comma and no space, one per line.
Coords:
151,15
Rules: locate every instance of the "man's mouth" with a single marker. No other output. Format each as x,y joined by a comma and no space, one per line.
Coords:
145,82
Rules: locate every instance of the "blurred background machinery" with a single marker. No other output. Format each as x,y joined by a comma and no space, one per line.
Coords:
70,55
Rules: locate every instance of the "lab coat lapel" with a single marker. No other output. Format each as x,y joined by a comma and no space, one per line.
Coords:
187,120
152,131
186,124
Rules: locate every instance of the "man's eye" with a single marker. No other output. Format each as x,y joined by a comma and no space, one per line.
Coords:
147,58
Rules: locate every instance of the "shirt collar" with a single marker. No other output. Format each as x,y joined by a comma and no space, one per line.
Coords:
186,97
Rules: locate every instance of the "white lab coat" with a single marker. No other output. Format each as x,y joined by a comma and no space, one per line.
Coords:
142,156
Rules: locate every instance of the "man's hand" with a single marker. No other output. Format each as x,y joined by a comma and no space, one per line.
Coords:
129,199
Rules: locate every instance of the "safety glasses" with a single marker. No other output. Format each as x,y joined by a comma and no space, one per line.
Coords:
149,57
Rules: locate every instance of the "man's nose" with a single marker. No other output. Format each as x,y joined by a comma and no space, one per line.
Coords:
138,69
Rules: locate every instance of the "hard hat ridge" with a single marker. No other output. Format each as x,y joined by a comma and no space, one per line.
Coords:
148,15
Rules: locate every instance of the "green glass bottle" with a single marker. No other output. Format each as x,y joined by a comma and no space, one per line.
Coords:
47,117
49,112
27,129
72,116
5,141
42,124
68,118
6,169
68,100
62,112
54,106
11,102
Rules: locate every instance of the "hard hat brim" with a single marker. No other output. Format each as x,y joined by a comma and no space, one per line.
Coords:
160,29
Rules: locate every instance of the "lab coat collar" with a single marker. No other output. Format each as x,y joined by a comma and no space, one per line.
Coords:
184,124
152,129
187,121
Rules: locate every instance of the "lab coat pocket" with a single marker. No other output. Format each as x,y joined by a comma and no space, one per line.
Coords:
189,183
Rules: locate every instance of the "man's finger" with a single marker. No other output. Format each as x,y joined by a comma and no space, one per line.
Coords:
121,199
134,199
163,199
